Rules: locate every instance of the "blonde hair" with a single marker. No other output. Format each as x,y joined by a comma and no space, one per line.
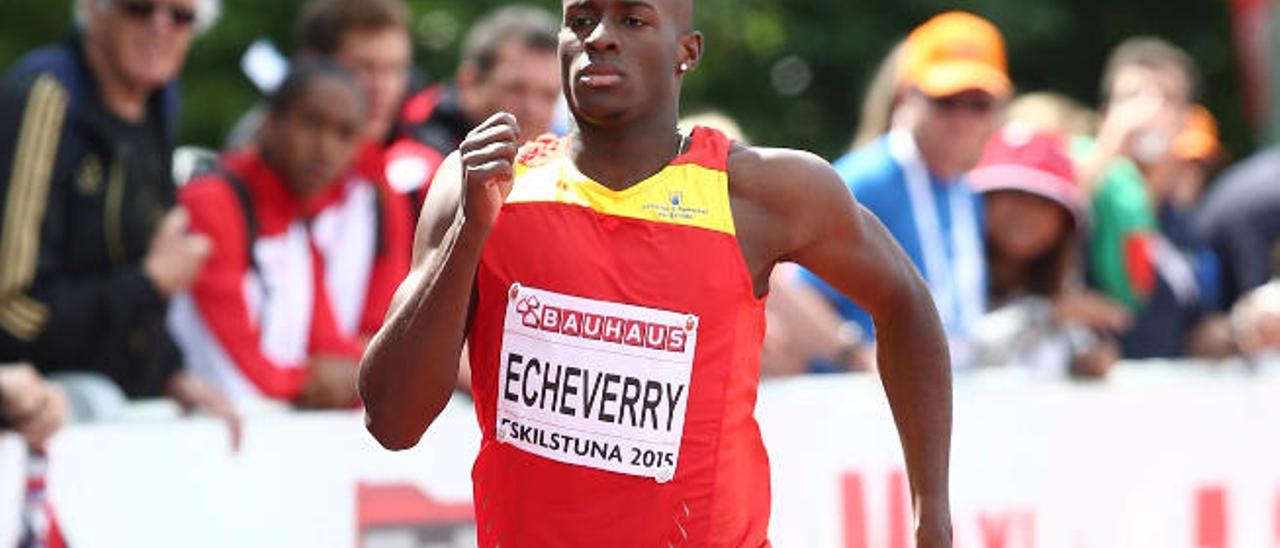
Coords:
880,100
1052,112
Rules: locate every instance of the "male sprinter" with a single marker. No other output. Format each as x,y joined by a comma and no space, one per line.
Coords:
611,287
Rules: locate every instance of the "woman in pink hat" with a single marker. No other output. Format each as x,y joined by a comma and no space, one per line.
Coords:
1040,315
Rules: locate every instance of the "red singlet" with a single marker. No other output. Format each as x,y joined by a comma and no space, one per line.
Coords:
615,358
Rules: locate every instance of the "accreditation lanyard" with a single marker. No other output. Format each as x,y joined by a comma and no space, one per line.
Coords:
957,282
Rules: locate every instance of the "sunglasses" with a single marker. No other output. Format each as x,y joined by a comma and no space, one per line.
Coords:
143,10
977,104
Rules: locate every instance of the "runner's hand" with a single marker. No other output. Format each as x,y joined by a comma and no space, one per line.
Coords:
488,167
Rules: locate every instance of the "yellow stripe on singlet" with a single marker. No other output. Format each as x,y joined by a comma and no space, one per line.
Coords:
684,194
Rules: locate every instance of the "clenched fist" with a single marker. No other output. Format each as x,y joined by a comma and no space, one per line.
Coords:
488,157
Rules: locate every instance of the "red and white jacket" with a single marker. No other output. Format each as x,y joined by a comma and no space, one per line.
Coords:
321,278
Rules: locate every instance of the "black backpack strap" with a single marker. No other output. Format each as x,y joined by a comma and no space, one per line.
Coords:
380,213
241,191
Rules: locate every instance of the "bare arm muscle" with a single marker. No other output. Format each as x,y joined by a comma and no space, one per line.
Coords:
796,208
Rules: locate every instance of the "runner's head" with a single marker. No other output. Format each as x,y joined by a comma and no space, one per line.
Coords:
954,79
313,125
622,61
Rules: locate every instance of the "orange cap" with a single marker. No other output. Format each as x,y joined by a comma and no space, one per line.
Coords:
954,52
1198,139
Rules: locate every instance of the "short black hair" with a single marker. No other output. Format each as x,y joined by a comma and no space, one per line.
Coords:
324,24
302,75
533,27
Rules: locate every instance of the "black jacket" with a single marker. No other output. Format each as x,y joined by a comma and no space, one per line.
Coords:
80,194
434,118
1240,218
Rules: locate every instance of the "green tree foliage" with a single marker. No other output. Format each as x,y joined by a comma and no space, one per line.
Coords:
790,71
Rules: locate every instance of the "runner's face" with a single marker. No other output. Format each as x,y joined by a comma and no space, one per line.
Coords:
316,137
619,58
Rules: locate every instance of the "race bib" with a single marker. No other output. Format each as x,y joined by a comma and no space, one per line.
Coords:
595,383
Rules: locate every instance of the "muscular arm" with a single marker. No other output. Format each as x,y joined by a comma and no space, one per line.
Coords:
791,206
410,368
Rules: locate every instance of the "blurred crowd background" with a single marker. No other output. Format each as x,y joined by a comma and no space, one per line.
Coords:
1081,183
806,62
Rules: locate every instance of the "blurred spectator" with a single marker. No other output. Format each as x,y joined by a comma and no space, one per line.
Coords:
1054,113
1139,251
1147,90
92,247
1196,154
284,300
1035,213
880,100
509,63
1240,218
952,84
717,120
371,38
29,404
1256,321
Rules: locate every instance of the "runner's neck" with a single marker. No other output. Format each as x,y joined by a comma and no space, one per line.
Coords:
621,157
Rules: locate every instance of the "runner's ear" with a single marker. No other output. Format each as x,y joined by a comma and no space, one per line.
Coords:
690,53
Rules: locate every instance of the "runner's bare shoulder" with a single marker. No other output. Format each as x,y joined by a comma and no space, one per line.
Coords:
784,195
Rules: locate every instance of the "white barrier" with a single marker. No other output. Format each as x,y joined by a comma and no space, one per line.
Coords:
12,482
1155,457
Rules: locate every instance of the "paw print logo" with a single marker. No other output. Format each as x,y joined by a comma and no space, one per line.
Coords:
528,309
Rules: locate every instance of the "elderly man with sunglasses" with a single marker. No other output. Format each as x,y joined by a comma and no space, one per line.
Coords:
952,83
91,245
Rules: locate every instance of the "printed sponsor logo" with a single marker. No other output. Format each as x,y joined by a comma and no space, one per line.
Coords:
595,383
